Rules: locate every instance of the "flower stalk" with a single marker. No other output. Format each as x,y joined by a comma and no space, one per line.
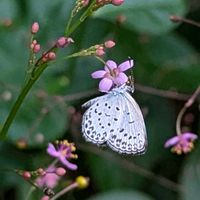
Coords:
20,100
182,111
36,72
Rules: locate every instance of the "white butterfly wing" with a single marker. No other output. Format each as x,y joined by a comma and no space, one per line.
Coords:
92,101
101,119
130,135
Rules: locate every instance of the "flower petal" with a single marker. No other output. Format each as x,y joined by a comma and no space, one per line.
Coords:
189,136
105,84
98,74
52,151
68,164
172,141
120,79
111,64
126,65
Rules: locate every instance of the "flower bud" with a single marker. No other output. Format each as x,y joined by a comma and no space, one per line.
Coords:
60,171
26,175
117,2
45,197
64,41
36,48
82,181
85,2
35,28
51,56
109,44
100,52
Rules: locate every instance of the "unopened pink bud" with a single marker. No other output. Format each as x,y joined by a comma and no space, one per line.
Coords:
32,46
26,175
64,41
117,2
100,52
36,48
85,2
109,44
45,197
60,171
51,56
34,42
35,28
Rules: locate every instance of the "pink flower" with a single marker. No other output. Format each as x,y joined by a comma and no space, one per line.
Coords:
63,152
182,143
112,75
49,179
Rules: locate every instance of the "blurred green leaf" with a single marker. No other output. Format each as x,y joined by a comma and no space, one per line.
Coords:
160,61
8,9
143,16
190,177
121,194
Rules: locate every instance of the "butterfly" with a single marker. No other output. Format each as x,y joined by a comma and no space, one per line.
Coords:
115,120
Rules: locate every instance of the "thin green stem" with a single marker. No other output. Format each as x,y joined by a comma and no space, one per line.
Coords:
101,60
30,192
69,24
69,30
19,101
37,72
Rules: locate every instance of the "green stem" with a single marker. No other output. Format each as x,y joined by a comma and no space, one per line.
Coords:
30,192
68,24
19,101
101,60
69,30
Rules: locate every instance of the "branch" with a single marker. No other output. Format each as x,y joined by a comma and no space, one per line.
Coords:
132,167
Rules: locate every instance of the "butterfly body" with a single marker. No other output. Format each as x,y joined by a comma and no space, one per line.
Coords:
115,120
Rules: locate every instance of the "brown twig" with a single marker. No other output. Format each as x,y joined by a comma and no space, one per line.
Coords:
141,88
177,19
189,102
131,166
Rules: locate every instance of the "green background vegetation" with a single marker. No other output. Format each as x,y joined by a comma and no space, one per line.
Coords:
166,57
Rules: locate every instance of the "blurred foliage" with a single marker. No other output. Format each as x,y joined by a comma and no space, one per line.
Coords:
166,56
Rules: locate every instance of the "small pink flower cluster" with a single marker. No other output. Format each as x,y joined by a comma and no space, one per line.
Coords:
114,2
182,143
49,55
64,42
100,49
35,46
50,177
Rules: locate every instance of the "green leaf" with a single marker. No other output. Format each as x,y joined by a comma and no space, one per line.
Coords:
160,61
8,9
121,194
143,16
190,177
